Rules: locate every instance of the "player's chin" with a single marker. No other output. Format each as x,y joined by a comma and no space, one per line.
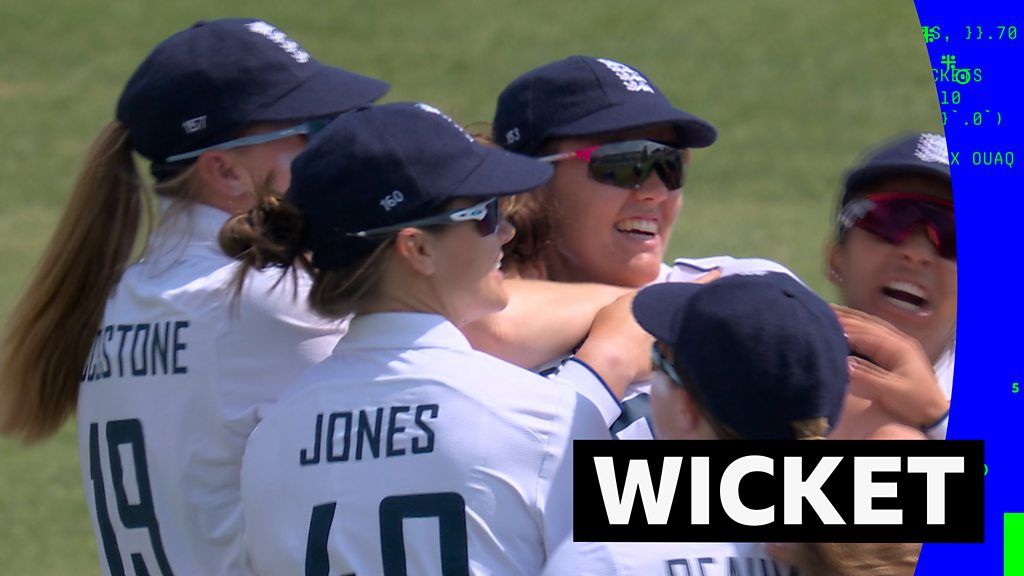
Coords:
642,269
495,297
628,276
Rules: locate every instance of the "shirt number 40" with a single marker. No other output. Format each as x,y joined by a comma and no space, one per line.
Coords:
448,507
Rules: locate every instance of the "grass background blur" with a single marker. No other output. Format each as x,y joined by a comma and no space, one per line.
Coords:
796,89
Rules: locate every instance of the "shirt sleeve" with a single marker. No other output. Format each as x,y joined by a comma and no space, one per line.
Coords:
591,386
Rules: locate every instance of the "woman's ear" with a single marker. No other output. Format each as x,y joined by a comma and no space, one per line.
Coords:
221,173
834,262
225,183
416,248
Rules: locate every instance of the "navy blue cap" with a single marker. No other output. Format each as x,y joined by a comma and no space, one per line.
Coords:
584,96
919,153
206,83
391,164
766,355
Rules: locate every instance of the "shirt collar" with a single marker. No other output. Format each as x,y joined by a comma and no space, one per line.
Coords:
201,222
184,227
402,330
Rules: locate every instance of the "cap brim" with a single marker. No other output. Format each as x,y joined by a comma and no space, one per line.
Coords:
692,131
860,178
328,92
504,173
659,308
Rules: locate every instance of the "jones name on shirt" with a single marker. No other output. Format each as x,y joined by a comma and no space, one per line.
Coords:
371,433
122,350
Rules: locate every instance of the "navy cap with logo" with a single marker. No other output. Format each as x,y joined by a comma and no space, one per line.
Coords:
766,356
206,83
584,96
390,164
920,153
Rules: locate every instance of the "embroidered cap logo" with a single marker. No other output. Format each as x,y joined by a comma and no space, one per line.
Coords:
392,200
430,109
631,79
281,39
194,125
932,148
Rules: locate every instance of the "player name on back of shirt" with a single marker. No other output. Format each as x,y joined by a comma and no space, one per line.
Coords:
136,350
383,432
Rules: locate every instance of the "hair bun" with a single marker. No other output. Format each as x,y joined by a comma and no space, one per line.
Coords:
270,234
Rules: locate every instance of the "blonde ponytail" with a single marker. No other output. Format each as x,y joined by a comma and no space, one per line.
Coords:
52,328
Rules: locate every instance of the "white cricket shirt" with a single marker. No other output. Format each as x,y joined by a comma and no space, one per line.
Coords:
407,446
176,380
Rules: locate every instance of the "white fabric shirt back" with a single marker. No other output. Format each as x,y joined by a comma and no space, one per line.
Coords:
407,445
177,379
664,558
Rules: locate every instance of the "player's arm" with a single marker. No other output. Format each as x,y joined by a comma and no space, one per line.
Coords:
617,348
543,320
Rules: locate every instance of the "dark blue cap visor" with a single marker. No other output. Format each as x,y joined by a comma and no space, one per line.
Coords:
691,131
328,92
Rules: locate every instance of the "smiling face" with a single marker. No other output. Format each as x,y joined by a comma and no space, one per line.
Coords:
603,233
907,284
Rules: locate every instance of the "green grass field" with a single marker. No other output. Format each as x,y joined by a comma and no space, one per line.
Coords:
797,89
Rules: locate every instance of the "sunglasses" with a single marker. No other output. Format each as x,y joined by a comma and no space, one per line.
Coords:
893,216
485,214
629,164
310,127
662,364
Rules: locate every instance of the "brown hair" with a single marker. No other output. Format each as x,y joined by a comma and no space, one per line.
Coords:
270,236
530,214
53,326
846,559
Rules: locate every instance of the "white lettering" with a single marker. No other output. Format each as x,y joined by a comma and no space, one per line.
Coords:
936,468
638,478
392,200
797,490
730,490
700,490
865,490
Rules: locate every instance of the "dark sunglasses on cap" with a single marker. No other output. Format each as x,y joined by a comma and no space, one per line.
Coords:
485,214
630,163
308,128
894,216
